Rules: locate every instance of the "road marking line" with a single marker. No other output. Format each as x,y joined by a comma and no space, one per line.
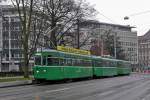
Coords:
57,90
63,89
50,91
106,93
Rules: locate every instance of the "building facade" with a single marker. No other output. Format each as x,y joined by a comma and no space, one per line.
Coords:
10,46
144,50
11,49
127,37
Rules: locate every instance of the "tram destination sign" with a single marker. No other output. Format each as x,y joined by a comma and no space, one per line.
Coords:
73,50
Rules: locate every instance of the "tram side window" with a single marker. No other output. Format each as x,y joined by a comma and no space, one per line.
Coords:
106,63
62,62
77,62
93,63
103,64
112,64
55,61
85,63
98,63
44,60
69,62
49,60
73,62
52,61
119,64
124,64
81,62
37,60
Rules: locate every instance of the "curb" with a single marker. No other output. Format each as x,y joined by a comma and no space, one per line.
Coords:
15,83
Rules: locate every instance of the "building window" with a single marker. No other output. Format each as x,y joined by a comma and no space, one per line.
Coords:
17,28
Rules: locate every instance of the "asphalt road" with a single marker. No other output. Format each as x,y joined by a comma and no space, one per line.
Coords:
133,87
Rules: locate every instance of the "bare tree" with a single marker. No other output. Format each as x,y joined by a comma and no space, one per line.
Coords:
66,13
32,26
71,38
36,16
25,10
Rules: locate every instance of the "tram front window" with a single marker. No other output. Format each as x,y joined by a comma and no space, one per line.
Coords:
37,60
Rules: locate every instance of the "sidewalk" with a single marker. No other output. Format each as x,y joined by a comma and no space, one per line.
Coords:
11,77
14,81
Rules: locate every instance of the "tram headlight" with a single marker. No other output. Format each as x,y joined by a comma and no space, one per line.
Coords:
37,71
44,70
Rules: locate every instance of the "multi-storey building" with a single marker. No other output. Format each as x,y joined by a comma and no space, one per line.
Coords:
10,46
11,49
144,50
127,37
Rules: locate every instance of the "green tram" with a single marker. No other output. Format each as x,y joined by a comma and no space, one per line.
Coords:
58,65
123,67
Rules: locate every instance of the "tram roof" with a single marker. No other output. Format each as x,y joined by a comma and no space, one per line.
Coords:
63,54
73,55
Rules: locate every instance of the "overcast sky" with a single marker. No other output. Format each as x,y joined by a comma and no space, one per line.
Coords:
115,10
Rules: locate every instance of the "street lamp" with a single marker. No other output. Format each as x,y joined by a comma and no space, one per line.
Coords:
126,18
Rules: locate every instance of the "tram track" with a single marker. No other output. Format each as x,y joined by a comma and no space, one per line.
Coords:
103,93
95,87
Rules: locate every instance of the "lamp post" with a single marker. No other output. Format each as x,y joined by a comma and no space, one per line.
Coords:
1,19
0,59
78,33
102,45
115,45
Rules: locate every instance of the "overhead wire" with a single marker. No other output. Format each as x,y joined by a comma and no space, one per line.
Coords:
140,13
107,18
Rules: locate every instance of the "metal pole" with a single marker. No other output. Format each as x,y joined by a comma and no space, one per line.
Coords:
9,41
78,33
102,46
1,14
0,60
99,42
115,49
